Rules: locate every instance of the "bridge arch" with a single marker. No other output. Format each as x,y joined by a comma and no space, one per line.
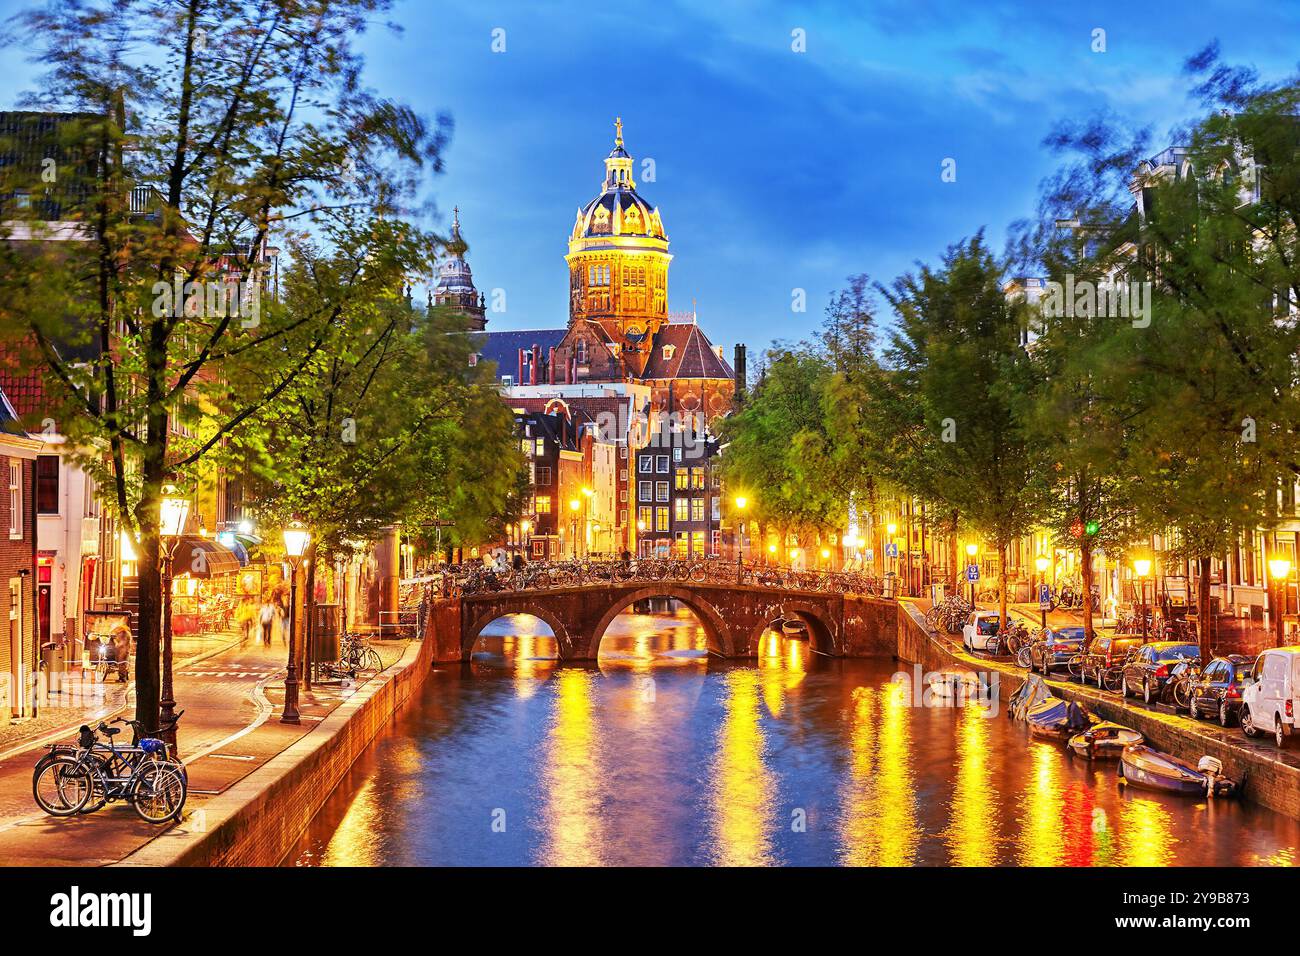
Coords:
504,608
823,635
715,628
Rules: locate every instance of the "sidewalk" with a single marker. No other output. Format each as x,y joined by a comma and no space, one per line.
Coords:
83,698
231,699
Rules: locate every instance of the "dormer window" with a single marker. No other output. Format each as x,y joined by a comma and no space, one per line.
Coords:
668,352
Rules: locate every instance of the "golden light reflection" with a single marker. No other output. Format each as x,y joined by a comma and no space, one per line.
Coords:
972,832
743,788
1144,833
783,664
358,839
879,825
1039,839
572,777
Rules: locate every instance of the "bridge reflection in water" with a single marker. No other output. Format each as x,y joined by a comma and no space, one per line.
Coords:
660,754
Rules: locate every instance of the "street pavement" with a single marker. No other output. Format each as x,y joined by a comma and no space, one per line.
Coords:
231,702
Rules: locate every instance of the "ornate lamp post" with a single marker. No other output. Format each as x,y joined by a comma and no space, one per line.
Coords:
296,538
741,504
574,505
1278,569
173,514
1143,567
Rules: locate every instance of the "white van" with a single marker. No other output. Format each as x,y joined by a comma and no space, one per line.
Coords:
1269,702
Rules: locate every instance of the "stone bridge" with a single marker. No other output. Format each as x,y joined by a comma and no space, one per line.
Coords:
734,616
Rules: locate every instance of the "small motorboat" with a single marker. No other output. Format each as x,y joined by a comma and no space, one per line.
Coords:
1104,741
1144,767
956,685
795,630
1056,719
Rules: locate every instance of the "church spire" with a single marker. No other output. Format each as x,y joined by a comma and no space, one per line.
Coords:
618,164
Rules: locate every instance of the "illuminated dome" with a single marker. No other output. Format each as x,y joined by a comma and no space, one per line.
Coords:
619,210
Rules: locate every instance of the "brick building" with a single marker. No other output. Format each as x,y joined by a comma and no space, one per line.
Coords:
678,497
19,648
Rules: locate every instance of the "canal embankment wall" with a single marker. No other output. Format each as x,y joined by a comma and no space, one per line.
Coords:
1271,777
259,819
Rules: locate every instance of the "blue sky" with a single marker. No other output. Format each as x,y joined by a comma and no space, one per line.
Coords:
775,170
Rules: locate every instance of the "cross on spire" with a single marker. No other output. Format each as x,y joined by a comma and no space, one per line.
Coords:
618,131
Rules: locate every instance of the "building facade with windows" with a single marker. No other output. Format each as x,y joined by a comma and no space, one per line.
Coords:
19,647
678,498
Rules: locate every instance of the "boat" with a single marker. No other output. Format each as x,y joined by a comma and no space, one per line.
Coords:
1144,767
1104,741
956,685
795,630
1056,719
1033,691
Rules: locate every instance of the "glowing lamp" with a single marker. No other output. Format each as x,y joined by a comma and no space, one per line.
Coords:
891,528
1279,568
574,504
296,539
741,502
173,513
1041,563
1142,566
972,549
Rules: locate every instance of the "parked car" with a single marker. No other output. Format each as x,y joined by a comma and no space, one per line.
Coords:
1105,653
980,630
1149,667
1055,648
1272,699
1218,690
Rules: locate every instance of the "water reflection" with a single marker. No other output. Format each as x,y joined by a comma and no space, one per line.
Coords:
660,754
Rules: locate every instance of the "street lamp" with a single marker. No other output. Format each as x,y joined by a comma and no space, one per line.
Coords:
1143,567
741,504
574,505
1278,570
296,538
172,516
1041,564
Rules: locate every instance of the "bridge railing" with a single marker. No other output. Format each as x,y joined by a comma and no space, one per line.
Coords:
543,576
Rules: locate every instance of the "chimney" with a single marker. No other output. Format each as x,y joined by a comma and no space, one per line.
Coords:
550,365
519,379
738,368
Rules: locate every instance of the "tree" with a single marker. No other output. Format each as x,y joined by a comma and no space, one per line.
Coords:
215,126
947,393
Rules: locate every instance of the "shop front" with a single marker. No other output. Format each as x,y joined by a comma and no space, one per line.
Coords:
207,578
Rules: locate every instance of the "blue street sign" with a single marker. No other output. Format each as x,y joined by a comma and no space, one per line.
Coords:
871,554
1045,597
891,550
972,572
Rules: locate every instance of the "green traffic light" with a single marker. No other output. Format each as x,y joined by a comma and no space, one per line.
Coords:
1092,527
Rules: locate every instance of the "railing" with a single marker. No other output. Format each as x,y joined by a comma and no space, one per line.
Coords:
544,576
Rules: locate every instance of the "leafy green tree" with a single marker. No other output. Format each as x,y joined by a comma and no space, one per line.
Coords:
945,400
212,129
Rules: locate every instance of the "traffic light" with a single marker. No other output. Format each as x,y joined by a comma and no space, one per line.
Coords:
1091,528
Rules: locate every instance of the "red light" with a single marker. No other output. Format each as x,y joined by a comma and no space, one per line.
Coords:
1232,691
1162,670
1288,707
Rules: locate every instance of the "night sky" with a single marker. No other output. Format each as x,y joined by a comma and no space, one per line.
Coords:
775,170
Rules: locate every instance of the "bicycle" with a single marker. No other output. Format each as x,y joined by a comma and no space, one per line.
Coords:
146,776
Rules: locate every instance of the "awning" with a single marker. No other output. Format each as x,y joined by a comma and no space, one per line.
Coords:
203,558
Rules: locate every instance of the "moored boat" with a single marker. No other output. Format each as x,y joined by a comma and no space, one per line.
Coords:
956,684
1104,741
795,630
1144,767
1056,719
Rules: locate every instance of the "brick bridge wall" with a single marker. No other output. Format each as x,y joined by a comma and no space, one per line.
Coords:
734,617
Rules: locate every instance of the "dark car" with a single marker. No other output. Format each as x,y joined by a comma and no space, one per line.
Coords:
1149,667
1054,648
1105,653
1218,690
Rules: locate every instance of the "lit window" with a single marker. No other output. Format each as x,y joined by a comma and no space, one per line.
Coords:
697,509
15,498
661,519
682,508
540,447
543,505
661,491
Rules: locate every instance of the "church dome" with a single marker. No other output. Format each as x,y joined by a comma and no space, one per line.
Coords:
454,275
619,210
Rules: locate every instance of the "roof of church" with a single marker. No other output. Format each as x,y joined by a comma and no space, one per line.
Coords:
692,355
503,347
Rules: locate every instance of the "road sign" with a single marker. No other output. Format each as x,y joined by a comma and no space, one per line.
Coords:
972,572
1045,597
891,549
870,555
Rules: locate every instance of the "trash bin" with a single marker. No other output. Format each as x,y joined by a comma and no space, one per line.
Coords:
937,592
889,585
325,635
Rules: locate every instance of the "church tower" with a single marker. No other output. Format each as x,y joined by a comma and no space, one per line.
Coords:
455,286
618,259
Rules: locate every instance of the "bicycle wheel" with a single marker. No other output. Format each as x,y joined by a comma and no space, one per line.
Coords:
1022,656
1182,696
371,661
1075,667
158,792
62,786
1112,679
699,572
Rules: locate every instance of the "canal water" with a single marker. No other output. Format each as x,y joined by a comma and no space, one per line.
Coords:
659,755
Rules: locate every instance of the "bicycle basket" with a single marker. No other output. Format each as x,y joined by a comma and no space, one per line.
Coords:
152,745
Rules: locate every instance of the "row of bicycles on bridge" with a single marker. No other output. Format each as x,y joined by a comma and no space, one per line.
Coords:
71,779
539,576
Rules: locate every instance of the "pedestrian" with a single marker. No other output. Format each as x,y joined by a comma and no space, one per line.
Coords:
267,619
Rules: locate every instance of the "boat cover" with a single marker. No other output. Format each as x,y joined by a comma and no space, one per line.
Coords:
1033,691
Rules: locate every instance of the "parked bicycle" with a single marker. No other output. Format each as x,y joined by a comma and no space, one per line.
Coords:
69,781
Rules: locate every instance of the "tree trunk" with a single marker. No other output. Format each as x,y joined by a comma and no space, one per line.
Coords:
953,557
1206,625
309,615
148,630
1085,567
1002,585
